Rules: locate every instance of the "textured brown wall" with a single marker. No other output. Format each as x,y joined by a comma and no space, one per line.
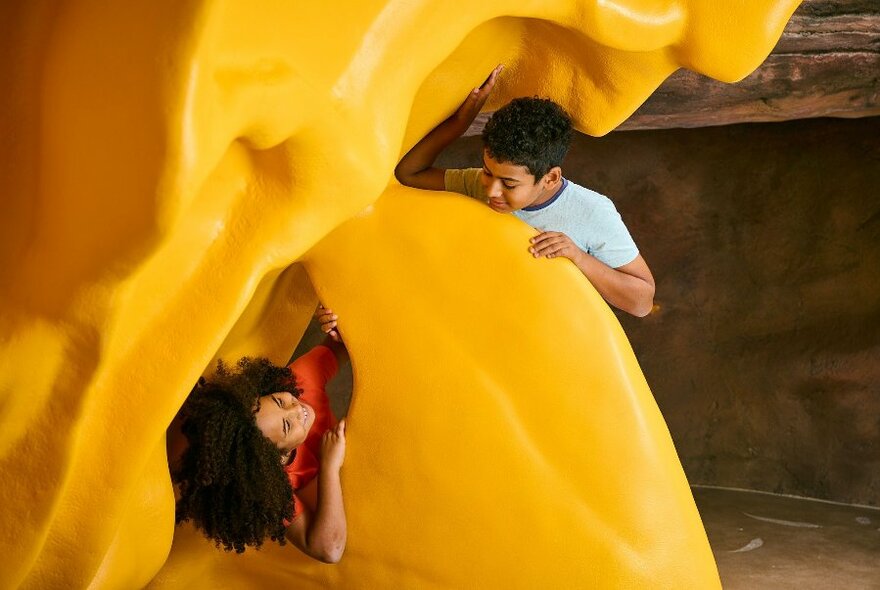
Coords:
764,355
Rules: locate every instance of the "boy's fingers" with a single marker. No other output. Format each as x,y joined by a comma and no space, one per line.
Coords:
544,242
540,243
538,239
545,235
494,74
547,247
548,239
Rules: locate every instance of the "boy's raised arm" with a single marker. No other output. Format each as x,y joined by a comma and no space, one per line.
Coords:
416,168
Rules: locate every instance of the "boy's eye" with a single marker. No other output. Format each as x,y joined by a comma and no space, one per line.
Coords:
506,185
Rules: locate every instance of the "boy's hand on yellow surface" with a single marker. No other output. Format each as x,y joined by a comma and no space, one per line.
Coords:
333,447
328,320
552,244
471,106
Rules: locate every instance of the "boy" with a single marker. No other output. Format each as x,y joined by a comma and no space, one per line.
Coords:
524,144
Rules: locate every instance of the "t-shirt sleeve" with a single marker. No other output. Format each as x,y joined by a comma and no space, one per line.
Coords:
465,181
612,243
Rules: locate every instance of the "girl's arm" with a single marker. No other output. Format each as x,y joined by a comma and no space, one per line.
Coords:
333,340
322,534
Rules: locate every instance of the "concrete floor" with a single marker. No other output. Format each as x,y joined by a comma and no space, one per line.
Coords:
760,540
763,540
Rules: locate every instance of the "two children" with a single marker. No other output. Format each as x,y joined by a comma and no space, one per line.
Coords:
524,144
256,453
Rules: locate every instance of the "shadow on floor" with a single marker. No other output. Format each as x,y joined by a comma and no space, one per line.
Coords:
763,540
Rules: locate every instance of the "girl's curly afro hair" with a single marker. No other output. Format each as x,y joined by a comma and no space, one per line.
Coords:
231,481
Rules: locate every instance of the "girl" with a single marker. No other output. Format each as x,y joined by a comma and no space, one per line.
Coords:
255,452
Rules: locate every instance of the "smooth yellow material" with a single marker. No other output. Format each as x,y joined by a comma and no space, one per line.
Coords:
164,164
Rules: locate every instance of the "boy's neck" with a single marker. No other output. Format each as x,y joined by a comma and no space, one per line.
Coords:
550,192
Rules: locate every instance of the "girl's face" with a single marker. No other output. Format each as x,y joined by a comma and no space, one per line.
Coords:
284,420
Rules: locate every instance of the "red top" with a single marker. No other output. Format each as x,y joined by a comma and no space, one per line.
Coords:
311,372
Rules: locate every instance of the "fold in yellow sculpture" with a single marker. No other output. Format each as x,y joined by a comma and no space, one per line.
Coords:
165,164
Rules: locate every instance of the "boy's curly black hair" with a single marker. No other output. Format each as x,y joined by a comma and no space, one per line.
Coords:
531,132
231,481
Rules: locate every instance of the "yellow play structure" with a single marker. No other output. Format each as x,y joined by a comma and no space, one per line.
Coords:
183,179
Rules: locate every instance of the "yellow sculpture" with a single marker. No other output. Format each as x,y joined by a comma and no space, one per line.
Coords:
181,178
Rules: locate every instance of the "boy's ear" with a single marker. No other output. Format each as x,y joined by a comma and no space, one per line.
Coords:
553,175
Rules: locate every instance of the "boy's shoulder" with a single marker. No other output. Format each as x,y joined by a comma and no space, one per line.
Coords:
575,202
582,195
578,211
465,181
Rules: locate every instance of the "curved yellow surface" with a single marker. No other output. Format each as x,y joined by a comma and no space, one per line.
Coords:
178,175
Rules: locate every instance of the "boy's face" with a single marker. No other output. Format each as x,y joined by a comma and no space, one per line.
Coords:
511,187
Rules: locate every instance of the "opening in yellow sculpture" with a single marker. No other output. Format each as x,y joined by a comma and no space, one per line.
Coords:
181,179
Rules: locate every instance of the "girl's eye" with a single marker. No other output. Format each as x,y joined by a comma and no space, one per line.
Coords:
286,427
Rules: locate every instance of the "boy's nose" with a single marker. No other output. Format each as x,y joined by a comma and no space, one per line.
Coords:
493,189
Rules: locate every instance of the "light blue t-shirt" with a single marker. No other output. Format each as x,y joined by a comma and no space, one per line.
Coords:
591,220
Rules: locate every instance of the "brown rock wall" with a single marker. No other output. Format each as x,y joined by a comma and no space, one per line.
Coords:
764,354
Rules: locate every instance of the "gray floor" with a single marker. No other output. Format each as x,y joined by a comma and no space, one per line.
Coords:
759,540
762,540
